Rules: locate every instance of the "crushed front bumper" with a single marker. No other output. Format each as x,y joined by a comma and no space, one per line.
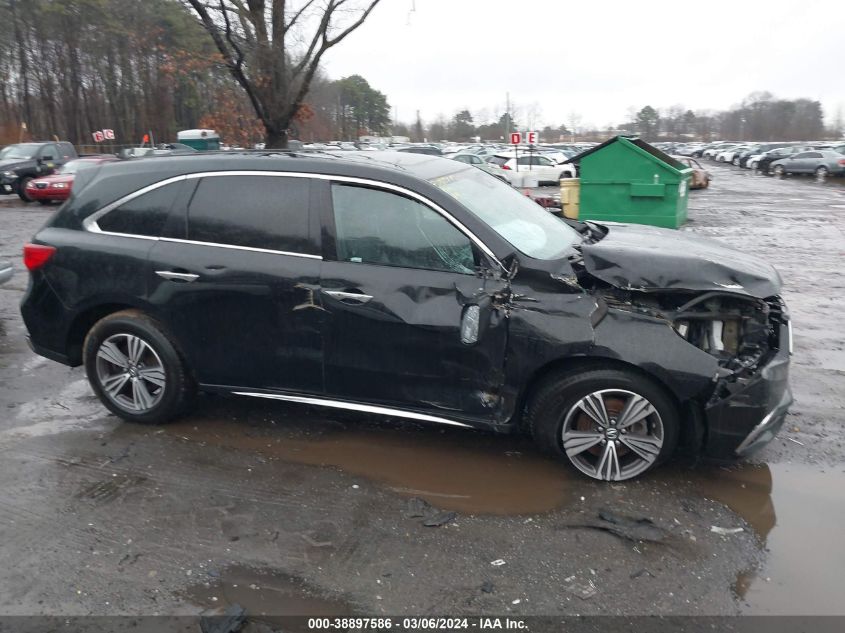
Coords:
753,412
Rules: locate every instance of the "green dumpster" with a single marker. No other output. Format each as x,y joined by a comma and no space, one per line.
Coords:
627,180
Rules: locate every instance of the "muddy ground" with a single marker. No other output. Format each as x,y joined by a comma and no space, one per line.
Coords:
286,510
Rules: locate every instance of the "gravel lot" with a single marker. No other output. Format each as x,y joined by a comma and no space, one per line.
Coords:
284,510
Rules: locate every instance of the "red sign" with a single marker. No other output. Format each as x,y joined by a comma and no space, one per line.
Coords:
98,136
516,138
109,134
532,138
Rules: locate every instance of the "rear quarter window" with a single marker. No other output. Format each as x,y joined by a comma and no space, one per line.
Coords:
144,215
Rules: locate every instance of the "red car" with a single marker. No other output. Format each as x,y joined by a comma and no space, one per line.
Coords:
57,186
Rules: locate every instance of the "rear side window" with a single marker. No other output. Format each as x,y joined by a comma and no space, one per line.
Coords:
143,215
268,212
498,160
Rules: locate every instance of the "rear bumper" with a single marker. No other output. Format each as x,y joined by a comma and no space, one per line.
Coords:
48,353
753,412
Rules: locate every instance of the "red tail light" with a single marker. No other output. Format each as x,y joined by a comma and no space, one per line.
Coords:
842,162
36,255
505,167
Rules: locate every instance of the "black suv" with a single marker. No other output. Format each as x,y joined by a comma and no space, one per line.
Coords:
22,162
410,286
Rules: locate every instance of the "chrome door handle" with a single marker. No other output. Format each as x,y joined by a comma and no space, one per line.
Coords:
173,276
348,296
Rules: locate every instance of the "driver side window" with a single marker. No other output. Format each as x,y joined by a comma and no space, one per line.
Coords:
380,227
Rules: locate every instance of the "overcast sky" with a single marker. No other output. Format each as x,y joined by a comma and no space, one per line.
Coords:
595,58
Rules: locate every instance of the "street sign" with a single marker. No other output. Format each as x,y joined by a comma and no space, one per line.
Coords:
98,136
516,138
532,138
108,134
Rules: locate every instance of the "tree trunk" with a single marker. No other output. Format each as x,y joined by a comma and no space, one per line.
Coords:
277,136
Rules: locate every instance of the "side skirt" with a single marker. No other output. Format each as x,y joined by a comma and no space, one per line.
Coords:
354,406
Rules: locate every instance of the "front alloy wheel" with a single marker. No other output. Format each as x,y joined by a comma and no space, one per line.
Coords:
609,424
130,373
612,434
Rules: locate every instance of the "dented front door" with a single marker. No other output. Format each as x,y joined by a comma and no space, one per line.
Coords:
394,337
397,283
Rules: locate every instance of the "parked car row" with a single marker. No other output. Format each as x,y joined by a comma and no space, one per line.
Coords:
779,158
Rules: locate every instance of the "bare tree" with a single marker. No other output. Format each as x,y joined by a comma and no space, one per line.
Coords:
273,49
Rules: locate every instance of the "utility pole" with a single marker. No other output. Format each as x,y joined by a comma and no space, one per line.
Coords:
508,115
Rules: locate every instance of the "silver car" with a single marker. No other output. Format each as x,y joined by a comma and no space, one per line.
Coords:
5,270
819,162
478,161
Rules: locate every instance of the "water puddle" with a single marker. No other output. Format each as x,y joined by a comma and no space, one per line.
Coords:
466,471
798,513
266,595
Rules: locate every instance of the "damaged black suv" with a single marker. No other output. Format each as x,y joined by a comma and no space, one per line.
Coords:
409,286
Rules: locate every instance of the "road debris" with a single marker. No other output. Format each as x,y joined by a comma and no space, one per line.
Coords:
229,622
626,527
725,531
417,508
792,439
439,519
497,563
487,587
585,591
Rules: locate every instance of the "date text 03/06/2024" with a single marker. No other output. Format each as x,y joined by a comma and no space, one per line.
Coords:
417,624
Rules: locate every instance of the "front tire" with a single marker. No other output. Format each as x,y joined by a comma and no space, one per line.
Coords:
136,370
779,170
22,194
609,424
822,172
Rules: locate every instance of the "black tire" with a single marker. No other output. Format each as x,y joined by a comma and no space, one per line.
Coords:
22,194
177,394
555,400
563,175
822,172
778,170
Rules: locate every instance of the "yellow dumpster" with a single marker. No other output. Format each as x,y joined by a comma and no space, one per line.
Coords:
570,197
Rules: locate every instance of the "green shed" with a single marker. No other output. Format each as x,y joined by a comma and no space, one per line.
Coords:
627,180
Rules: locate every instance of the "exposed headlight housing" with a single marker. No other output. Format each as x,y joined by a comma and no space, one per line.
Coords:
9,174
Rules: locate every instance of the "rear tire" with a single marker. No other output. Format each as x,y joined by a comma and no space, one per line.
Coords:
778,170
640,428
822,172
136,370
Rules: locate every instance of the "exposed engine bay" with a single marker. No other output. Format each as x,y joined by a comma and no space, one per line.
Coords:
740,331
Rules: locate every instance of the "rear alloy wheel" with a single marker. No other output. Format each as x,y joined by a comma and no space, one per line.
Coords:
822,172
610,425
736,162
135,370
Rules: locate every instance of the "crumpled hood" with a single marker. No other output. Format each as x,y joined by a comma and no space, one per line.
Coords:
639,257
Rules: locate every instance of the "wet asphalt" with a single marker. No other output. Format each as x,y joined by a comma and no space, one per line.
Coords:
288,510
